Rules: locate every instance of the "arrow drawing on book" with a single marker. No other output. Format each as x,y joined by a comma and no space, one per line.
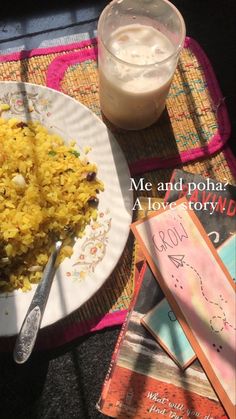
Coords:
178,261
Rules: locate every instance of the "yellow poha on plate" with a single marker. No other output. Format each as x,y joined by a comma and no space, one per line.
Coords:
46,189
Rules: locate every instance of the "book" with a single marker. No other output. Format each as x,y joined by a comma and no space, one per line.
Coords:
227,253
143,382
186,184
166,329
213,202
163,324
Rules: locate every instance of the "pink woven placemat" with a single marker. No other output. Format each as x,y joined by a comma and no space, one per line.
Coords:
192,134
196,109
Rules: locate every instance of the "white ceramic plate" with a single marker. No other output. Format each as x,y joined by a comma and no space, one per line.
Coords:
96,255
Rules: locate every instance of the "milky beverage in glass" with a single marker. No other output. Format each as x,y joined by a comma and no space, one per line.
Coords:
138,53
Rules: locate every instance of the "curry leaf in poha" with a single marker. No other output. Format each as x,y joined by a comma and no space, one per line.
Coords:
75,153
52,153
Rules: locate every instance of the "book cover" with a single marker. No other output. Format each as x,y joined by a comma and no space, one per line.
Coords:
213,202
162,323
200,192
227,252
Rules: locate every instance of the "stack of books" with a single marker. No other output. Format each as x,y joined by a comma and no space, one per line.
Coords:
175,355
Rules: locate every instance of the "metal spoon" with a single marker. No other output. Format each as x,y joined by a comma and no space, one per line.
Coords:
27,336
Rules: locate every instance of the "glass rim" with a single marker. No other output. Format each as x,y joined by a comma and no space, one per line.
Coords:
176,51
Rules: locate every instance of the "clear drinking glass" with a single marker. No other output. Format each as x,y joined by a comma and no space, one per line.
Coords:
139,42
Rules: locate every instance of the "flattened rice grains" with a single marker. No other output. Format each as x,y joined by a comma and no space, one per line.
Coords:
45,185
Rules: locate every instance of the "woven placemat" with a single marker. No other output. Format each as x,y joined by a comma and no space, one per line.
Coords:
191,134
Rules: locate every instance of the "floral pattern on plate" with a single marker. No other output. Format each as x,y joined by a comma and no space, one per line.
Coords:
93,248
22,103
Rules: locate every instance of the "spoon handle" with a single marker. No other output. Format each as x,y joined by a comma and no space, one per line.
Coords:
28,333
